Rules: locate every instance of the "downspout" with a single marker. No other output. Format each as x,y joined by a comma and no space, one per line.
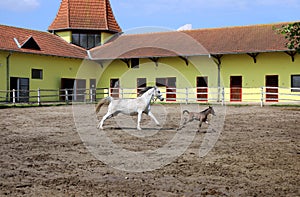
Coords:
7,77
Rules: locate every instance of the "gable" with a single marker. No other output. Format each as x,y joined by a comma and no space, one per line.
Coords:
30,43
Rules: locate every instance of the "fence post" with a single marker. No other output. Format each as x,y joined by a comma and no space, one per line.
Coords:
92,94
186,95
122,92
223,96
39,96
66,96
262,97
14,96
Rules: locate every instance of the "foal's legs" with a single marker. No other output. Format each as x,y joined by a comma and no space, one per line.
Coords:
186,120
200,124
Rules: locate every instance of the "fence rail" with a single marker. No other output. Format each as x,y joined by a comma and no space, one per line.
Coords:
262,95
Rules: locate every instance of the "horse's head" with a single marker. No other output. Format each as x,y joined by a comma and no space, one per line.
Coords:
157,94
212,111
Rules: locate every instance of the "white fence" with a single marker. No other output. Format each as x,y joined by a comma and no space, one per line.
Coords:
262,96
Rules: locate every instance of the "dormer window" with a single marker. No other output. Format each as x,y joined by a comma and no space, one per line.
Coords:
30,43
86,40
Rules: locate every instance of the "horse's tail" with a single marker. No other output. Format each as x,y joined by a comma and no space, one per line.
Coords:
103,101
185,111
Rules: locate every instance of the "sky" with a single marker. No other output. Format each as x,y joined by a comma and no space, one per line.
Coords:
161,14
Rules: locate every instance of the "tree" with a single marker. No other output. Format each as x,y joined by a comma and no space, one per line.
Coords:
292,34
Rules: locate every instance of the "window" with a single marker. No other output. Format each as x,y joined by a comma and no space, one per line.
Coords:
135,62
83,40
75,39
86,40
37,74
295,83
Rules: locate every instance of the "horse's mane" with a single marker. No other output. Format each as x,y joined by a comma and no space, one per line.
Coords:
141,92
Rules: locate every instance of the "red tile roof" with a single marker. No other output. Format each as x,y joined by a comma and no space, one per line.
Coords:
164,44
85,15
241,39
229,40
12,39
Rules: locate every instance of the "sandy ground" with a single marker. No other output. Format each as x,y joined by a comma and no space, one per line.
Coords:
257,153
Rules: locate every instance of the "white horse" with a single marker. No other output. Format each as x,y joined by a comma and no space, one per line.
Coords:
131,107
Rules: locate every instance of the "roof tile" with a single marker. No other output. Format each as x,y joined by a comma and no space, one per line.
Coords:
228,40
49,44
86,15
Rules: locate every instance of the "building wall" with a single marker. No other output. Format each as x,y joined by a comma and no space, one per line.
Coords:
53,68
166,67
66,35
3,56
105,36
254,74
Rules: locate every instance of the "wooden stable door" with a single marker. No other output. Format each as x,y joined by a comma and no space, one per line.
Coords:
115,88
73,89
202,89
170,84
141,83
21,86
80,90
272,88
236,88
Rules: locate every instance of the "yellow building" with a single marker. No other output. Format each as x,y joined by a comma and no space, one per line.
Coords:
231,64
85,50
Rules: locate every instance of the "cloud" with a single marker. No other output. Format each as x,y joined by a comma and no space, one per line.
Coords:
185,27
19,5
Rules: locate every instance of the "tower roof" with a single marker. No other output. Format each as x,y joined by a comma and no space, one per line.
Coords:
85,15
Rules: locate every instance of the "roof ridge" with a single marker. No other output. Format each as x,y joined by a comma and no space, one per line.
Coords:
24,28
209,28
68,16
106,14
239,26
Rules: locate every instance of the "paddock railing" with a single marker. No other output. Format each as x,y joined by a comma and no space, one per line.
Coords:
236,95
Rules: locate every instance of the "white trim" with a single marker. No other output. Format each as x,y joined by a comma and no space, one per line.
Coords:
17,42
